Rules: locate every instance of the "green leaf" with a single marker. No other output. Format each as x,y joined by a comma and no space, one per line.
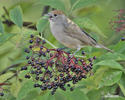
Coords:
54,4
32,95
109,63
110,78
60,96
82,3
44,96
5,37
76,95
1,27
15,87
86,11
16,16
88,25
41,24
50,97
122,84
115,98
94,93
5,76
120,47
112,56
25,89
72,1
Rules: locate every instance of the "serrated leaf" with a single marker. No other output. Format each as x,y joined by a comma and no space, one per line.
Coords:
122,84
4,77
94,93
60,96
72,1
25,89
44,96
120,47
41,24
54,4
110,78
1,27
88,10
5,37
112,56
82,3
110,64
50,97
87,24
16,16
15,87
115,98
76,95
32,95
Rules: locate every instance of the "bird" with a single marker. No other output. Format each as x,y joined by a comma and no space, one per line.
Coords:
70,34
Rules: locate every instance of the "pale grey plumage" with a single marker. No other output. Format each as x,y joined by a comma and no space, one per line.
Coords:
69,33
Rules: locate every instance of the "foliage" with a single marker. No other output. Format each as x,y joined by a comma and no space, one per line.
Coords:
21,18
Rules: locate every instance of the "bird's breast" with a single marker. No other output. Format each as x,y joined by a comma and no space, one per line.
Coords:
57,31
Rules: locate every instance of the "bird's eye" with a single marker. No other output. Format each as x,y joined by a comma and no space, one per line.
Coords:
55,15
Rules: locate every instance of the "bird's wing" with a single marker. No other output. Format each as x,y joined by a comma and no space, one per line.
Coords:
74,31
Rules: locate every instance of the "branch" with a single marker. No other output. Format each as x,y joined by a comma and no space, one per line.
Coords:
5,70
25,24
14,75
45,10
4,8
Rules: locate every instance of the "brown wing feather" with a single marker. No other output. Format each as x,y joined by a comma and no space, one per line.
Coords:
74,31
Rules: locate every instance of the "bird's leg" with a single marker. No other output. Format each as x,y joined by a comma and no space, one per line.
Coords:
75,52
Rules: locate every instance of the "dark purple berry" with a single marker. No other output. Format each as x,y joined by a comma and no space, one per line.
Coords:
68,85
38,40
27,57
49,87
36,85
123,38
27,76
71,89
83,52
30,46
1,94
51,54
61,75
43,41
48,50
24,68
29,62
27,51
31,36
94,57
41,47
37,78
30,41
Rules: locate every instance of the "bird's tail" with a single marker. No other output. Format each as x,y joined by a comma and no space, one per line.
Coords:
102,46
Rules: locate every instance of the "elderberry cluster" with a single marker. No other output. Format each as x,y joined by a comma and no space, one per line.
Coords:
118,22
54,68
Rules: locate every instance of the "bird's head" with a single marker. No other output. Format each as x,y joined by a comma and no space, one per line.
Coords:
56,16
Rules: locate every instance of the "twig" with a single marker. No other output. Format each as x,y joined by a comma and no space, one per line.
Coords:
5,70
25,24
4,8
48,42
14,75
45,10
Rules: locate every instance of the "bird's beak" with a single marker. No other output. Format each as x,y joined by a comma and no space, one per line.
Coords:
49,15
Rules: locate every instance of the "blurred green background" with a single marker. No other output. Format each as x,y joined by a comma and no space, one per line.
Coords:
108,81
